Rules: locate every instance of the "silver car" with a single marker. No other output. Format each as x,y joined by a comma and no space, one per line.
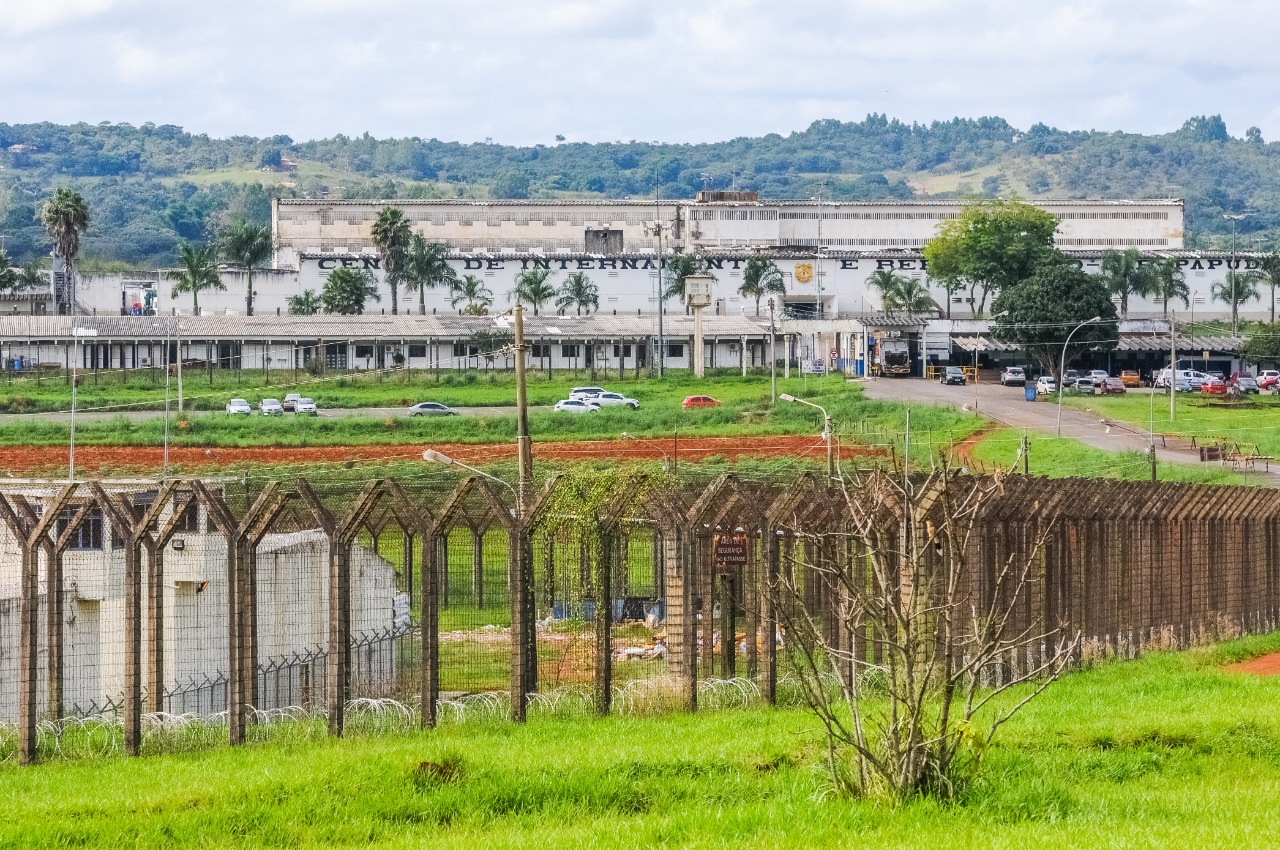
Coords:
270,407
305,407
239,407
432,408
573,405
615,400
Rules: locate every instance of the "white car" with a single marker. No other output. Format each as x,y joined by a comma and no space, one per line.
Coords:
270,407
1098,376
574,405
1046,385
615,400
305,407
239,406
1014,376
583,393
291,402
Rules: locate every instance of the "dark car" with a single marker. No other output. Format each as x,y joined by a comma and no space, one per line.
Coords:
1244,382
953,375
1110,386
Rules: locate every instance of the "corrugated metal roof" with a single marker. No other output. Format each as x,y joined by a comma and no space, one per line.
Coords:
1134,342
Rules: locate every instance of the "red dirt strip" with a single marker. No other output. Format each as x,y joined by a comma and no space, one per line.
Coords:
1263,665
29,460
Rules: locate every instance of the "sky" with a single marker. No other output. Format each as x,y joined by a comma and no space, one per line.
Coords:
524,71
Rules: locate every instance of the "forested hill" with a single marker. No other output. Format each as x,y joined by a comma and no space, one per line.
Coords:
151,186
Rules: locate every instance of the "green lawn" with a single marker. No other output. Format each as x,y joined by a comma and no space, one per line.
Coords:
1059,457
1167,751
1254,422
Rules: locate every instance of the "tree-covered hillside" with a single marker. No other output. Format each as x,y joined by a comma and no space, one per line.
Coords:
151,186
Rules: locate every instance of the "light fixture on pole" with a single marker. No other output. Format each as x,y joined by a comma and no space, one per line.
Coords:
76,333
773,357
666,458
1062,369
826,431
433,456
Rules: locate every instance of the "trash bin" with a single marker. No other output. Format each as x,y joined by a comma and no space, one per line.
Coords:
1030,392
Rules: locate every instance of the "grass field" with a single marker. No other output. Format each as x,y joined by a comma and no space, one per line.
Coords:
1057,457
1166,751
1252,423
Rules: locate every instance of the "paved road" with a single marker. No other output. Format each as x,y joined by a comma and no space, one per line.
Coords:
1008,406
337,412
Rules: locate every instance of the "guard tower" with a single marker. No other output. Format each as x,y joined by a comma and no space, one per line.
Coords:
697,294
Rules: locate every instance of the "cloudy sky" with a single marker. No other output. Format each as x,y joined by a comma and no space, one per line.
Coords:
522,71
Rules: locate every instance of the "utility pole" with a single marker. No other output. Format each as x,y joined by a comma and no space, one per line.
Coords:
1151,450
773,359
178,327
524,449
657,227
1233,270
1173,360
1026,454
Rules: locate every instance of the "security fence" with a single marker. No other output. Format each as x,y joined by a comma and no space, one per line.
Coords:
144,601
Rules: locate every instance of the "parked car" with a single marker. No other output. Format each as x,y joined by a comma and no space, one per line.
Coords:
1214,386
1194,379
1084,385
953,375
1070,378
1098,375
1110,386
1245,382
576,405
1221,376
1268,378
699,401
1046,385
432,408
291,402
271,407
305,407
580,393
239,406
616,400
1130,378
1014,376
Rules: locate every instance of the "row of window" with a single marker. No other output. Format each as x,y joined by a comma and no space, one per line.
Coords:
733,215
930,215
1122,242
88,535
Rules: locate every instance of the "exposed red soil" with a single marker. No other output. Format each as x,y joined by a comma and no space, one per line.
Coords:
28,460
963,450
1263,665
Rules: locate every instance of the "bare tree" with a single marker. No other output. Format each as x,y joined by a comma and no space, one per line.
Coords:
945,624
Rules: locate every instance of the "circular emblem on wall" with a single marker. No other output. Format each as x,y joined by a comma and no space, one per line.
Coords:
804,272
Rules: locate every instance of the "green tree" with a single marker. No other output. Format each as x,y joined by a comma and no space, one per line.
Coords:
511,185
1269,275
426,266
8,274
1169,283
1236,289
761,277
30,278
346,291
533,288
1041,311
1263,344
678,267
578,292
197,271
248,247
1125,275
392,237
65,217
989,246
914,297
887,284
306,304
472,290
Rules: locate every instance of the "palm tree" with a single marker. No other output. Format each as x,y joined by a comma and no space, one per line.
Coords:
65,217
30,277
248,247
306,304
391,235
346,291
1269,274
472,290
678,268
533,289
913,296
1238,288
1169,282
8,274
1125,275
196,272
578,291
426,266
761,277
889,285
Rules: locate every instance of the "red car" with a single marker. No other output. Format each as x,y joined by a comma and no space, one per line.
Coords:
700,401
1214,386
1110,386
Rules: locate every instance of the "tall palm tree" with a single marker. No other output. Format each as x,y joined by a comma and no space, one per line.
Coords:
578,291
913,296
426,266
1168,282
65,217
346,291
1238,288
1124,275
248,247
197,271
306,304
532,288
761,277
678,267
391,236
472,290
8,274
1269,275
888,284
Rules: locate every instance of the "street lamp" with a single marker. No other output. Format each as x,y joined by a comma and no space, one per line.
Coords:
826,430
1233,273
667,466
1062,369
433,456
76,334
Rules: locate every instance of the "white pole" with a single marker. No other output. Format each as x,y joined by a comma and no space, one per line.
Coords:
75,354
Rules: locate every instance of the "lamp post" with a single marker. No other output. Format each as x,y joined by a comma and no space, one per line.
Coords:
1062,369
773,359
433,456
76,333
1233,272
826,431
667,465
